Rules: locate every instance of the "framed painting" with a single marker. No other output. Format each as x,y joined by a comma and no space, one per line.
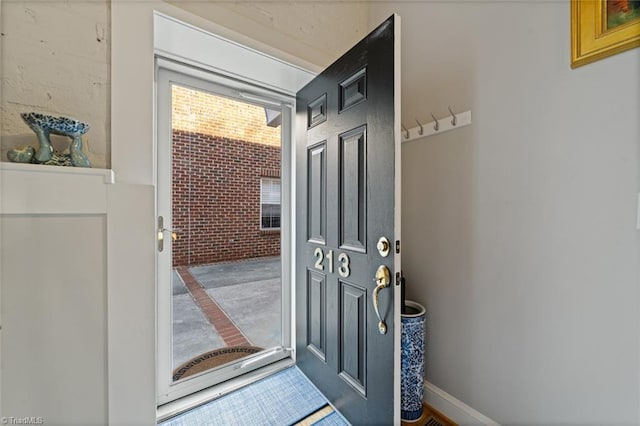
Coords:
601,28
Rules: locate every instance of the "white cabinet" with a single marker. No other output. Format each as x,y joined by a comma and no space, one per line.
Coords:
53,293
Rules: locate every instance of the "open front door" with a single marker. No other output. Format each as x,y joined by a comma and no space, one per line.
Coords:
348,232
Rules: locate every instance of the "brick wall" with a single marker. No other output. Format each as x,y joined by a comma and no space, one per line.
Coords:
202,112
216,180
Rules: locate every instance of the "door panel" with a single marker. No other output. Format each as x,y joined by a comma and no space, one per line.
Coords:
316,314
353,190
317,193
347,175
353,335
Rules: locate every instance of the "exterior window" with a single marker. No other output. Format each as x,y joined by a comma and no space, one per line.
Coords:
269,203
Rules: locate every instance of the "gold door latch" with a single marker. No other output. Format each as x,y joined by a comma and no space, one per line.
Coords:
162,230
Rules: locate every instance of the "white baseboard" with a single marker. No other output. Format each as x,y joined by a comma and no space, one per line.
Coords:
453,408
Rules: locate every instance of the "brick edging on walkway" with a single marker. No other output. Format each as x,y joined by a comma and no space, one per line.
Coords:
230,334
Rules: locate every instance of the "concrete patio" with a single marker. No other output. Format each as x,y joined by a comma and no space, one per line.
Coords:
248,293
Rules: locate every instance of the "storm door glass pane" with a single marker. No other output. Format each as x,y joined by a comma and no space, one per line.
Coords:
226,300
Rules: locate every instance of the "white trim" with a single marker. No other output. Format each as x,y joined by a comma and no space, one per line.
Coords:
1,275
188,44
453,408
40,189
397,231
238,69
200,56
287,216
109,176
131,308
638,213
167,390
226,86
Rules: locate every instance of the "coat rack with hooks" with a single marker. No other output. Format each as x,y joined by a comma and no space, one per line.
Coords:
454,121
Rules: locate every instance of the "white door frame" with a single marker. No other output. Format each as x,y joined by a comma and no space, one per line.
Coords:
187,44
168,74
254,74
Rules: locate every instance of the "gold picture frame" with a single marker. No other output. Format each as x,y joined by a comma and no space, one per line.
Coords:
601,28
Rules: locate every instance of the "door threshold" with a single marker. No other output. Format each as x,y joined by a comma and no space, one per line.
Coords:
173,408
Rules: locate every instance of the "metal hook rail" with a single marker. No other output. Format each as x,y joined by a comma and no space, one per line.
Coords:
458,120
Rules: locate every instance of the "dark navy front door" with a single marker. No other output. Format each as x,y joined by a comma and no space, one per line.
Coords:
347,206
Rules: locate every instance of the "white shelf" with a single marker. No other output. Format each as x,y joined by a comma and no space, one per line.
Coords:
39,189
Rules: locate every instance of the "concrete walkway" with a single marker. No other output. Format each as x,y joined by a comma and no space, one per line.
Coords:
192,332
226,304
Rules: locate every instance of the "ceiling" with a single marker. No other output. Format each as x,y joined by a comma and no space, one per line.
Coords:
434,76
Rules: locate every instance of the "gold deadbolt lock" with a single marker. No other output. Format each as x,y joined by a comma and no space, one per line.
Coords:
383,246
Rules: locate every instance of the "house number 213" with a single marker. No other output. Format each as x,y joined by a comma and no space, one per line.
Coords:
344,269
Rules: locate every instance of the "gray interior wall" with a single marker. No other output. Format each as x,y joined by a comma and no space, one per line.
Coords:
520,231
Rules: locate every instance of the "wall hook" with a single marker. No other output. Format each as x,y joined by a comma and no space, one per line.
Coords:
436,127
454,120
406,131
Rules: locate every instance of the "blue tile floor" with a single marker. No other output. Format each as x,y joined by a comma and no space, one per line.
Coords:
284,398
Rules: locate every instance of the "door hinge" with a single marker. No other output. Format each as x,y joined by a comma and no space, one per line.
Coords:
397,246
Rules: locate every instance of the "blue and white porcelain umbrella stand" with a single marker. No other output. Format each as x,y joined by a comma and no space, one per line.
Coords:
412,374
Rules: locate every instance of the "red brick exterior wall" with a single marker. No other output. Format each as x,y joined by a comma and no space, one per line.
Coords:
216,198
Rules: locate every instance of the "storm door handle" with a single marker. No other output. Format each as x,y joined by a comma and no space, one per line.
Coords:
161,230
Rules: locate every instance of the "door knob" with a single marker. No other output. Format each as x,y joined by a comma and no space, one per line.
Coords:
382,279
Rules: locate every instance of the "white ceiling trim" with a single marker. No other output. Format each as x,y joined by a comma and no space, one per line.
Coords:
177,40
